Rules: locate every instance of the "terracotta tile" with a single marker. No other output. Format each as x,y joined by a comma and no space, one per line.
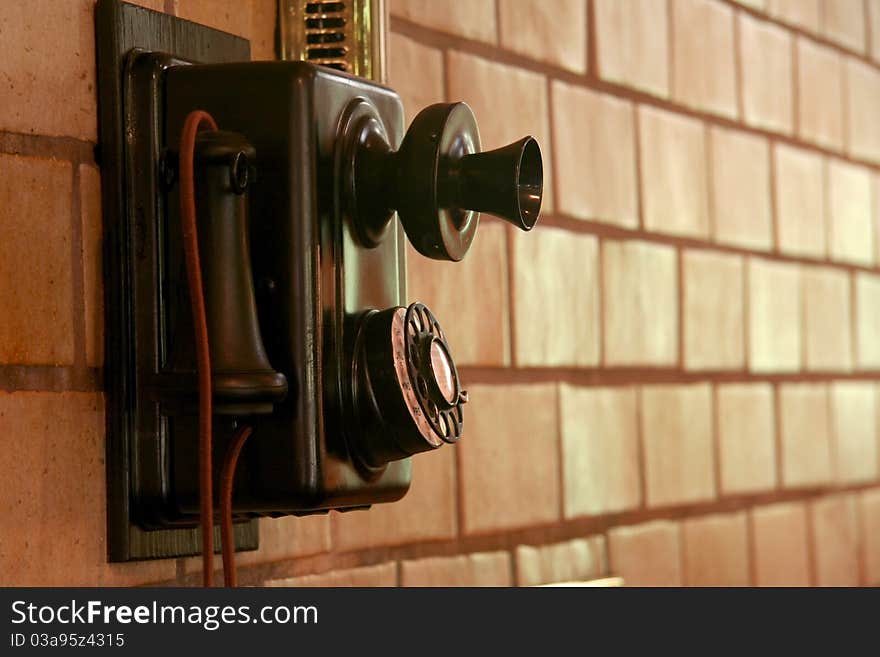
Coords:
741,190
850,217
595,159
835,541
508,464
473,20
253,20
863,106
35,260
800,13
646,555
600,452
640,291
632,46
716,550
416,74
283,538
820,94
704,73
781,545
470,298
843,21
481,569
767,74
746,438
427,512
677,444
48,53
827,319
713,310
870,533
854,427
805,434
53,496
92,262
867,311
800,201
480,83
774,316
572,561
556,318
381,575
552,32
674,180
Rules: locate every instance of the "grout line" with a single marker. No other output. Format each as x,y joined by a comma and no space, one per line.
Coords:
78,151
593,70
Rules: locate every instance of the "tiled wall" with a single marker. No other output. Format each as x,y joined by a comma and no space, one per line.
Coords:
674,377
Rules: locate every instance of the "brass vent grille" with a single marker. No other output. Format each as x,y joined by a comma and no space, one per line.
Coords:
347,35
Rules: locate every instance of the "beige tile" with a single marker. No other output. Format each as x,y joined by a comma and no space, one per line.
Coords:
870,533
35,260
470,298
741,190
863,107
474,19
632,44
767,74
600,451
677,444
508,462
873,26
827,319
835,541
781,545
674,180
480,83
415,72
92,262
867,311
854,427
481,569
381,575
805,427
703,56
554,32
800,13
572,561
716,550
556,317
850,213
640,292
843,21
595,158
283,538
254,20
774,316
746,438
646,555
713,310
800,201
820,94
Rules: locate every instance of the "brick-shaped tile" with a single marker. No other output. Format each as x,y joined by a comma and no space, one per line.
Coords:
800,201
767,74
854,424
827,319
633,47
509,459
472,20
640,302
416,73
36,229
850,217
677,444
283,538
381,575
254,20
554,32
843,21
571,561
713,310
600,451
556,316
820,94
716,550
835,541
781,543
481,569
746,438
869,528
595,159
863,107
774,316
867,310
674,173
646,555
805,425
704,72
874,28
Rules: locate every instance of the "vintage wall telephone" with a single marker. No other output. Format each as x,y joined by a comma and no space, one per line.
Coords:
303,273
